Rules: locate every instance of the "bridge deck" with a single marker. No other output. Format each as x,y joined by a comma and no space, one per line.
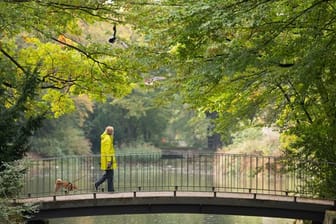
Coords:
102,195
181,202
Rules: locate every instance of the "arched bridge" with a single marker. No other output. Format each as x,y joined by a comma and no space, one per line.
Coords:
189,183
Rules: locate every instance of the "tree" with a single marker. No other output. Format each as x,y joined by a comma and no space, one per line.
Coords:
253,63
48,56
16,124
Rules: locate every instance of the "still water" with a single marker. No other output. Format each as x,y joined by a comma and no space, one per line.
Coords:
171,219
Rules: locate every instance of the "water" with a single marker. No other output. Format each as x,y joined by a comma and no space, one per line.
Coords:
171,219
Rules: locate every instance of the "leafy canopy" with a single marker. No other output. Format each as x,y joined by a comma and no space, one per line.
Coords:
53,36
252,62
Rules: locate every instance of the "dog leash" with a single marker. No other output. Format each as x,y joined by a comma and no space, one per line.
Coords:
78,179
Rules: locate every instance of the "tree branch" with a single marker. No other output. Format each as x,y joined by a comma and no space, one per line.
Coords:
301,102
87,9
291,20
13,60
86,54
287,97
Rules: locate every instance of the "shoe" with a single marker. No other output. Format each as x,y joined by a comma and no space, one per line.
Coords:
96,186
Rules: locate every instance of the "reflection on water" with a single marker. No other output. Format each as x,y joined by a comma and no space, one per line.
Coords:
171,219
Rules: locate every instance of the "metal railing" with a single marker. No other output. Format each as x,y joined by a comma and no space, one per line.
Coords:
184,172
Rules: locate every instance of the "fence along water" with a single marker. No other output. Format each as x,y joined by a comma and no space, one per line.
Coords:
186,172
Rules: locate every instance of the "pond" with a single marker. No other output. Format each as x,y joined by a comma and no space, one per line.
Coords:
171,219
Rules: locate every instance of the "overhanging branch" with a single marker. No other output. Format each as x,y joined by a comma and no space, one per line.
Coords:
13,60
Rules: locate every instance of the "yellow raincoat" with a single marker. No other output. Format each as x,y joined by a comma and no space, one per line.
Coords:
107,153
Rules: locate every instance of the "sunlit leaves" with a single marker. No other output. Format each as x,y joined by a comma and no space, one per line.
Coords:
52,36
59,103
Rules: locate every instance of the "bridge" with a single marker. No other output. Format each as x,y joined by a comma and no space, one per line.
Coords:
215,183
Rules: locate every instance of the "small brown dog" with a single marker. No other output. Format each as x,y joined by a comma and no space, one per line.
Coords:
64,184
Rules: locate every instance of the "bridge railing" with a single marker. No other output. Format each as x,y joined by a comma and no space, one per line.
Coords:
185,172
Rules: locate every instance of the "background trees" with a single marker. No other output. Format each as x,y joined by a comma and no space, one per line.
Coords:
65,135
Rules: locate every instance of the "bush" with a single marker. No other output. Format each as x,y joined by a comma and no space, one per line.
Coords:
11,182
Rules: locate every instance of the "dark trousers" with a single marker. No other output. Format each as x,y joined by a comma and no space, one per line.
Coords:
108,175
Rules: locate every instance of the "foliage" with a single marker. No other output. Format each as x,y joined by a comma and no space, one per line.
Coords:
65,135
17,126
255,140
54,36
252,62
11,182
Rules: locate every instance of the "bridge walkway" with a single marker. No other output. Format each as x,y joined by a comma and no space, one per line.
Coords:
181,202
